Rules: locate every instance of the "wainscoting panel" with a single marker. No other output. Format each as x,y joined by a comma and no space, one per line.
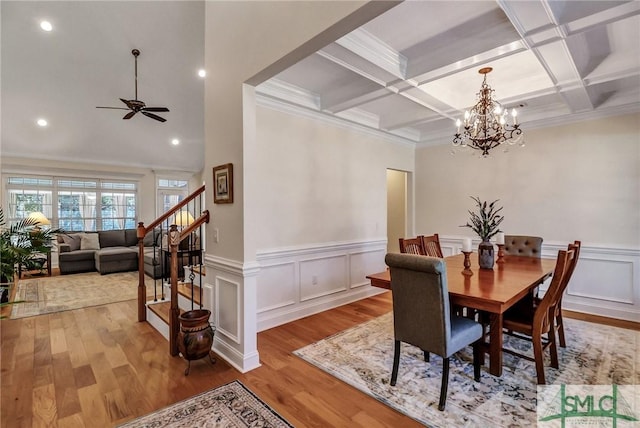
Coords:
606,281
300,281
228,295
277,286
322,276
362,264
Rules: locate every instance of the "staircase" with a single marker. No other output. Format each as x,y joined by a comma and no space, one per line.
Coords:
174,250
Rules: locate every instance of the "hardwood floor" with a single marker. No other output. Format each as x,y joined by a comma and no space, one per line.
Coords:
98,367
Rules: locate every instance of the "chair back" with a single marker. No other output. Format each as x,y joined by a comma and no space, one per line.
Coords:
431,245
572,266
521,245
412,246
420,302
546,308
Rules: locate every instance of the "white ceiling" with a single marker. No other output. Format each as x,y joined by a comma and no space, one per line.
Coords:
408,73
414,70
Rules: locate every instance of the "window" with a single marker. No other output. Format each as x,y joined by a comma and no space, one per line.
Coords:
73,203
170,193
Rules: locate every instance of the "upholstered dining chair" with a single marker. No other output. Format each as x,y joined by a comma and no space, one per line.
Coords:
412,246
533,324
521,245
421,315
431,245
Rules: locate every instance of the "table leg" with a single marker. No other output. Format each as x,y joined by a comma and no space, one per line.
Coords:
495,344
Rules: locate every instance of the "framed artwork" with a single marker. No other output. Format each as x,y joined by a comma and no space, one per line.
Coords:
223,184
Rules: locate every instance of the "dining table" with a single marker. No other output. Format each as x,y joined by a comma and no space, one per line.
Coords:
491,291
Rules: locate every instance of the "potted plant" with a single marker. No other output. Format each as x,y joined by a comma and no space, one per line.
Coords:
20,245
485,223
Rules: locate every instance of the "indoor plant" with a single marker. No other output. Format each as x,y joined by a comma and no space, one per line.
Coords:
485,223
20,244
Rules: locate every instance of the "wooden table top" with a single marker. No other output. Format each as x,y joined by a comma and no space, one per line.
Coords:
493,290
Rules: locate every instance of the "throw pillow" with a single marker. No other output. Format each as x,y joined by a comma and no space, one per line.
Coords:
73,241
90,241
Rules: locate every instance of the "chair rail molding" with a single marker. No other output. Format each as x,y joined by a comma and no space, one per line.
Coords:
606,281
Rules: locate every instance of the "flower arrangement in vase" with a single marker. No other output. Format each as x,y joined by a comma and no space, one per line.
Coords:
485,223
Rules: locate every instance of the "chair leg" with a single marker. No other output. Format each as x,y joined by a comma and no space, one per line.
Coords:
427,356
478,357
553,349
445,383
396,363
538,356
560,327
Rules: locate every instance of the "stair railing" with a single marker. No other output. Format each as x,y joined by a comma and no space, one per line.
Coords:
175,238
161,253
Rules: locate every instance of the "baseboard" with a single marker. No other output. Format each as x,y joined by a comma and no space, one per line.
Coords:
599,319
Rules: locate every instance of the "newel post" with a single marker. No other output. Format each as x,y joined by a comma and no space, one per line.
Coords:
142,289
174,323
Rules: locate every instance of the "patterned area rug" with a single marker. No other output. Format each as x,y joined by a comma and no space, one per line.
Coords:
363,356
47,295
231,405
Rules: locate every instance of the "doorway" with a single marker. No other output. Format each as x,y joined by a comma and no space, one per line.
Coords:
397,203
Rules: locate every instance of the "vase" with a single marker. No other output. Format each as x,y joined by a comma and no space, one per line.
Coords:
196,336
485,255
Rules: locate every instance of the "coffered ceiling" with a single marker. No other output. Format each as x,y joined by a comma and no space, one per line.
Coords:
413,71
408,73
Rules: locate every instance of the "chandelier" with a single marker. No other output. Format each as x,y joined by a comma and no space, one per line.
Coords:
485,126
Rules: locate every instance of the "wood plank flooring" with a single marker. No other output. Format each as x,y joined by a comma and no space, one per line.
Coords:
98,367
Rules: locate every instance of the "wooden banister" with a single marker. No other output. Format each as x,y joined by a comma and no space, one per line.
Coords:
157,222
143,230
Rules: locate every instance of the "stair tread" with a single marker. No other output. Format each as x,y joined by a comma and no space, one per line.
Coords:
162,310
186,290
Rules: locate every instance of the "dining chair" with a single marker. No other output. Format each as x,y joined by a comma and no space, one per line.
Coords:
412,246
557,318
522,245
422,318
431,245
532,324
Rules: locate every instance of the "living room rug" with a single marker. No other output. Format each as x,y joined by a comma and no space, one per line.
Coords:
231,405
363,356
45,295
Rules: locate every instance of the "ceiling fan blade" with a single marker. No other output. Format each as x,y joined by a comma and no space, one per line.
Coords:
129,115
115,108
154,109
127,103
154,116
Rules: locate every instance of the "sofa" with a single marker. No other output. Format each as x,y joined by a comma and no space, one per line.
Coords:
111,251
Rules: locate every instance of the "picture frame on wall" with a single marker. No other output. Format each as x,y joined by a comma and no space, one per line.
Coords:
223,184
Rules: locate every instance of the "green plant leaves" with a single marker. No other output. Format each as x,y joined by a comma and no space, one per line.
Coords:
486,221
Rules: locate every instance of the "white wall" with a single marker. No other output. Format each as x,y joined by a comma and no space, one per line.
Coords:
579,181
320,182
323,213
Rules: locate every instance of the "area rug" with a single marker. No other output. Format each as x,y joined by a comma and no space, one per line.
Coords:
231,405
363,356
47,295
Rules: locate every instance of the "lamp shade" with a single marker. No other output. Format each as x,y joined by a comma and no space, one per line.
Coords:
183,218
39,219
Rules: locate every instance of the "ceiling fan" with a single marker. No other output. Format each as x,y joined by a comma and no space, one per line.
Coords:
136,105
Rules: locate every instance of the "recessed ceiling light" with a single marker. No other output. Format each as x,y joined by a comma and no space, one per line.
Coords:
41,122
202,72
175,141
46,26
